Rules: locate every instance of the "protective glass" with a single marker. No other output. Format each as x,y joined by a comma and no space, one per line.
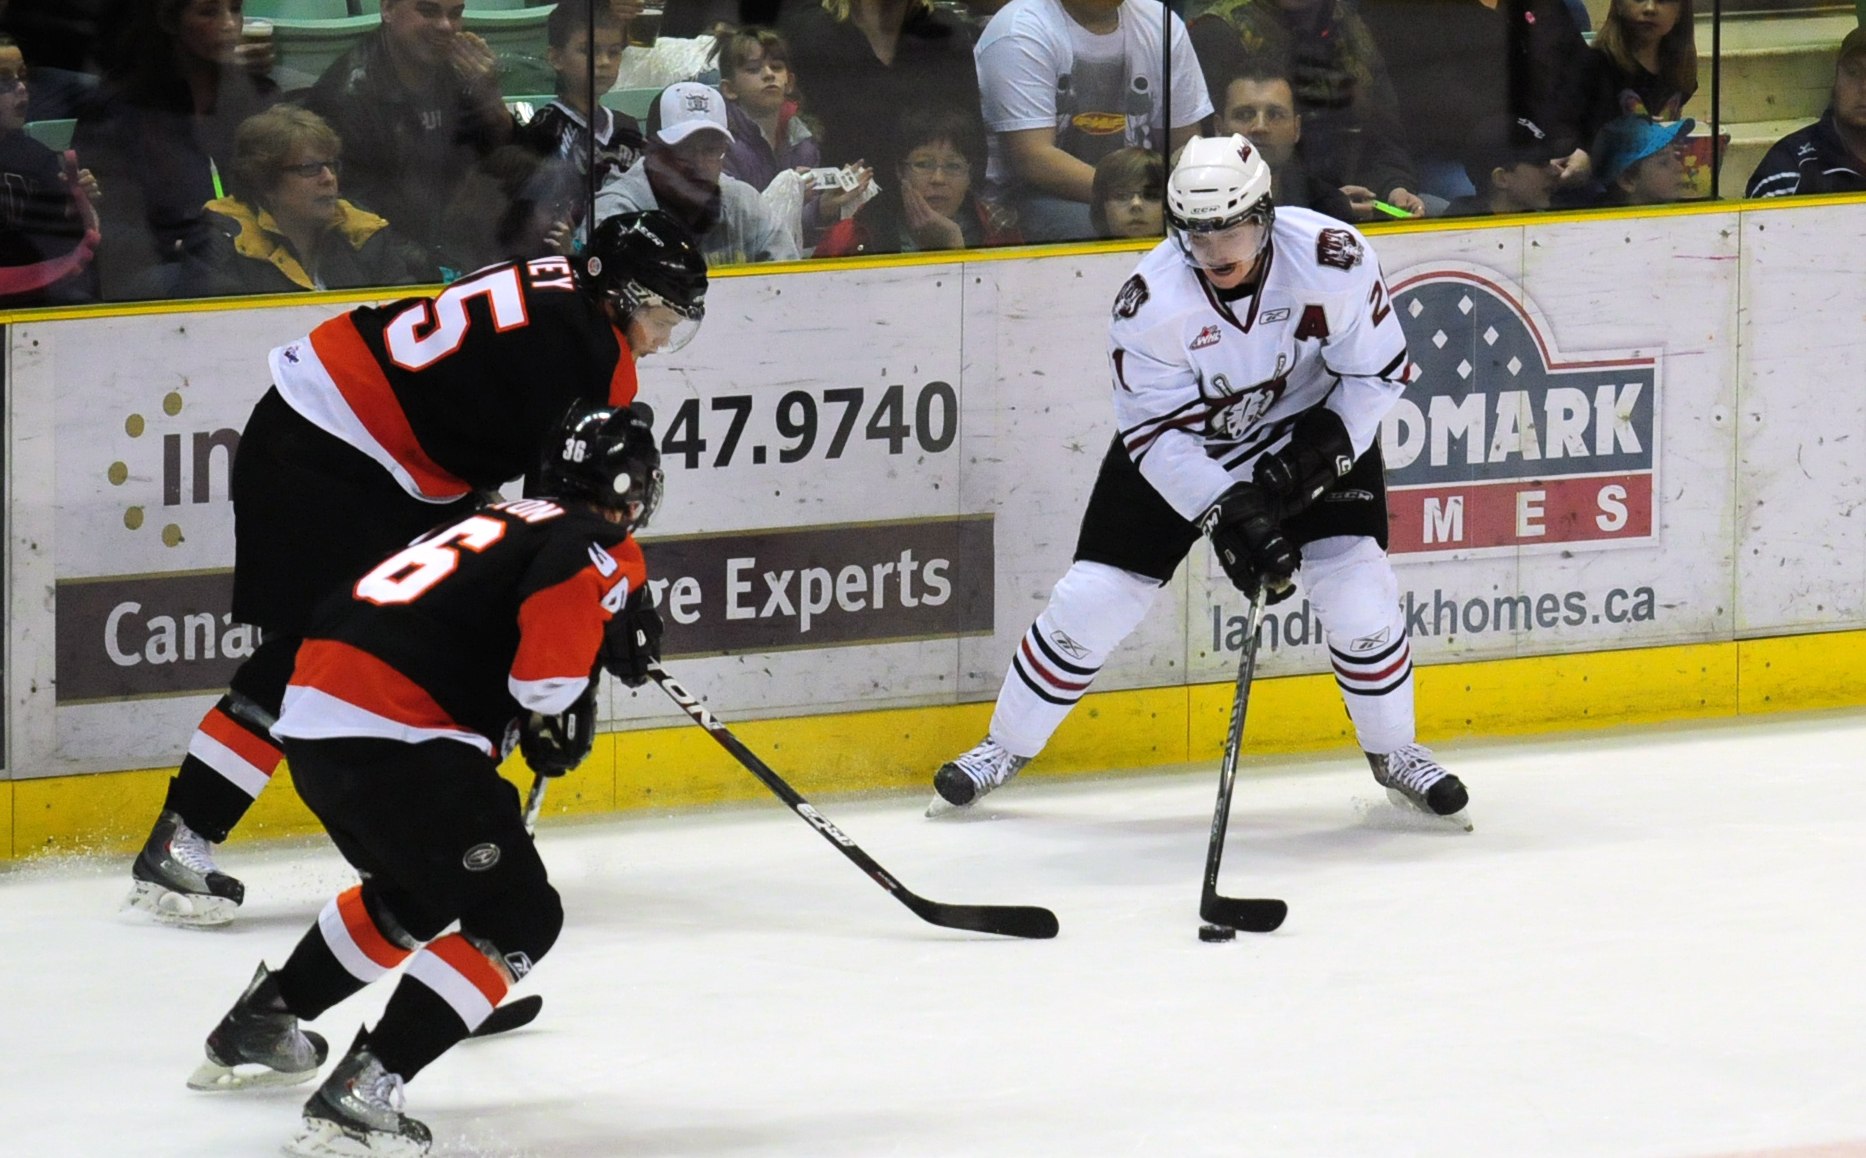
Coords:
1222,248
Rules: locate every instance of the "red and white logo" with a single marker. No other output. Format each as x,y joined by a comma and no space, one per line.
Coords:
1207,337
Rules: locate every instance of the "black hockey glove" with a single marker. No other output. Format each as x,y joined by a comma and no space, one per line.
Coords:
633,640
1251,547
1318,454
553,745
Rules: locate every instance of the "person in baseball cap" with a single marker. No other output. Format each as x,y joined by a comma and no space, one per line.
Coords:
683,173
1511,164
1638,159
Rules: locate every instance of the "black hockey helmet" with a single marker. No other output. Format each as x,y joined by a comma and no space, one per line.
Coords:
647,259
606,456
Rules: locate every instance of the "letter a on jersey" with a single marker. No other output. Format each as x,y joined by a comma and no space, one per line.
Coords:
1314,324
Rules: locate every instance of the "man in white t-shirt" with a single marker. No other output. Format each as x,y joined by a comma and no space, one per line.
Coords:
1065,82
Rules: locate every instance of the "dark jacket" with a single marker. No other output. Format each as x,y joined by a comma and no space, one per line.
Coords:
157,163
877,228
1609,91
46,239
1807,161
1456,63
248,255
857,99
404,152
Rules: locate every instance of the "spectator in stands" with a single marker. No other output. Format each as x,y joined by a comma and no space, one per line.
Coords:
683,173
1513,165
584,67
417,103
1828,156
860,63
1258,101
48,228
1458,63
679,46
1129,198
931,203
1350,115
767,134
514,205
1640,160
60,38
284,228
1645,60
159,134
1066,82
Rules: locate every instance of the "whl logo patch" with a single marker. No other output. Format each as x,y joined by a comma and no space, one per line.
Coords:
1503,439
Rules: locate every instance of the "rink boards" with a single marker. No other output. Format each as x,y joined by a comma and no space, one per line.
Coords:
1621,490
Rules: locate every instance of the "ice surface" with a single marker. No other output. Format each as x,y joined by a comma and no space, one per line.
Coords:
1653,944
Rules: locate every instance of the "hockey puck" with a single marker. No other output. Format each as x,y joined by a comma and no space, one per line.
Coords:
1216,933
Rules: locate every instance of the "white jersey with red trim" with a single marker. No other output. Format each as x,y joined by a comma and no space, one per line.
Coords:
1202,385
459,632
455,393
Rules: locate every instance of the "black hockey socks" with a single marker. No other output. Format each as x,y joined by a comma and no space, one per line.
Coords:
348,948
446,992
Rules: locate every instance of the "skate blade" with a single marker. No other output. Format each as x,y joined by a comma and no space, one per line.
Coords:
320,1138
183,910
940,806
211,1077
1401,815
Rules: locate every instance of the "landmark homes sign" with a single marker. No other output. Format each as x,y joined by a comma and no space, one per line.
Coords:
1505,441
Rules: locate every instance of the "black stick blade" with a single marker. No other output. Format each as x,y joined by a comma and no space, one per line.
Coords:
1030,921
512,1015
1252,916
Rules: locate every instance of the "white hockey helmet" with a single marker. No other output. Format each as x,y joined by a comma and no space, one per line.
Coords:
1218,201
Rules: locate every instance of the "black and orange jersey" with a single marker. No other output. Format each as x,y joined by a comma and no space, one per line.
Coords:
456,634
456,392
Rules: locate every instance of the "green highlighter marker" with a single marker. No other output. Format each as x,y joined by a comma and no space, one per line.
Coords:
1390,210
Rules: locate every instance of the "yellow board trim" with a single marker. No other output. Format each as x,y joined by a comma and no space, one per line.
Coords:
896,750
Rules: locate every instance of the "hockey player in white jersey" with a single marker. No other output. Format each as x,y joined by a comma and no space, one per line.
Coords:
1253,355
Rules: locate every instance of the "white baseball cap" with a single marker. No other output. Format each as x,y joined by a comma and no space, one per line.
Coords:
684,109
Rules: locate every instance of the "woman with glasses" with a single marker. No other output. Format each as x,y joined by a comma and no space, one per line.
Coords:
931,203
285,228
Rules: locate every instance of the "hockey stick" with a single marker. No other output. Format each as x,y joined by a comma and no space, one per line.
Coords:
1252,916
520,1011
1006,920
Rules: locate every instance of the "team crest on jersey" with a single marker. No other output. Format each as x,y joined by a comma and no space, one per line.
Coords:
1208,336
1339,248
1133,295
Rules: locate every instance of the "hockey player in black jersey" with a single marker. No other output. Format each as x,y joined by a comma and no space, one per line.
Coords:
1253,354
378,424
408,688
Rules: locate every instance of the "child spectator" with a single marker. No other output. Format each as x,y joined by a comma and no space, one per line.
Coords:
417,104
159,135
1066,82
1351,126
1645,60
1828,156
767,134
1513,165
1639,160
1129,198
1258,101
584,66
683,174
284,227
48,229
930,204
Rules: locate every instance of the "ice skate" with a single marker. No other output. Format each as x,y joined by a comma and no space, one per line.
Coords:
1413,779
357,1113
259,1043
961,781
176,881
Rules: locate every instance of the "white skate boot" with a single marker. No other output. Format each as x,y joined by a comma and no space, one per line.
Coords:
961,781
1413,779
176,881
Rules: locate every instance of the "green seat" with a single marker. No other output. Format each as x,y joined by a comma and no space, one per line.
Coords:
633,101
299,9
54,135
309,46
